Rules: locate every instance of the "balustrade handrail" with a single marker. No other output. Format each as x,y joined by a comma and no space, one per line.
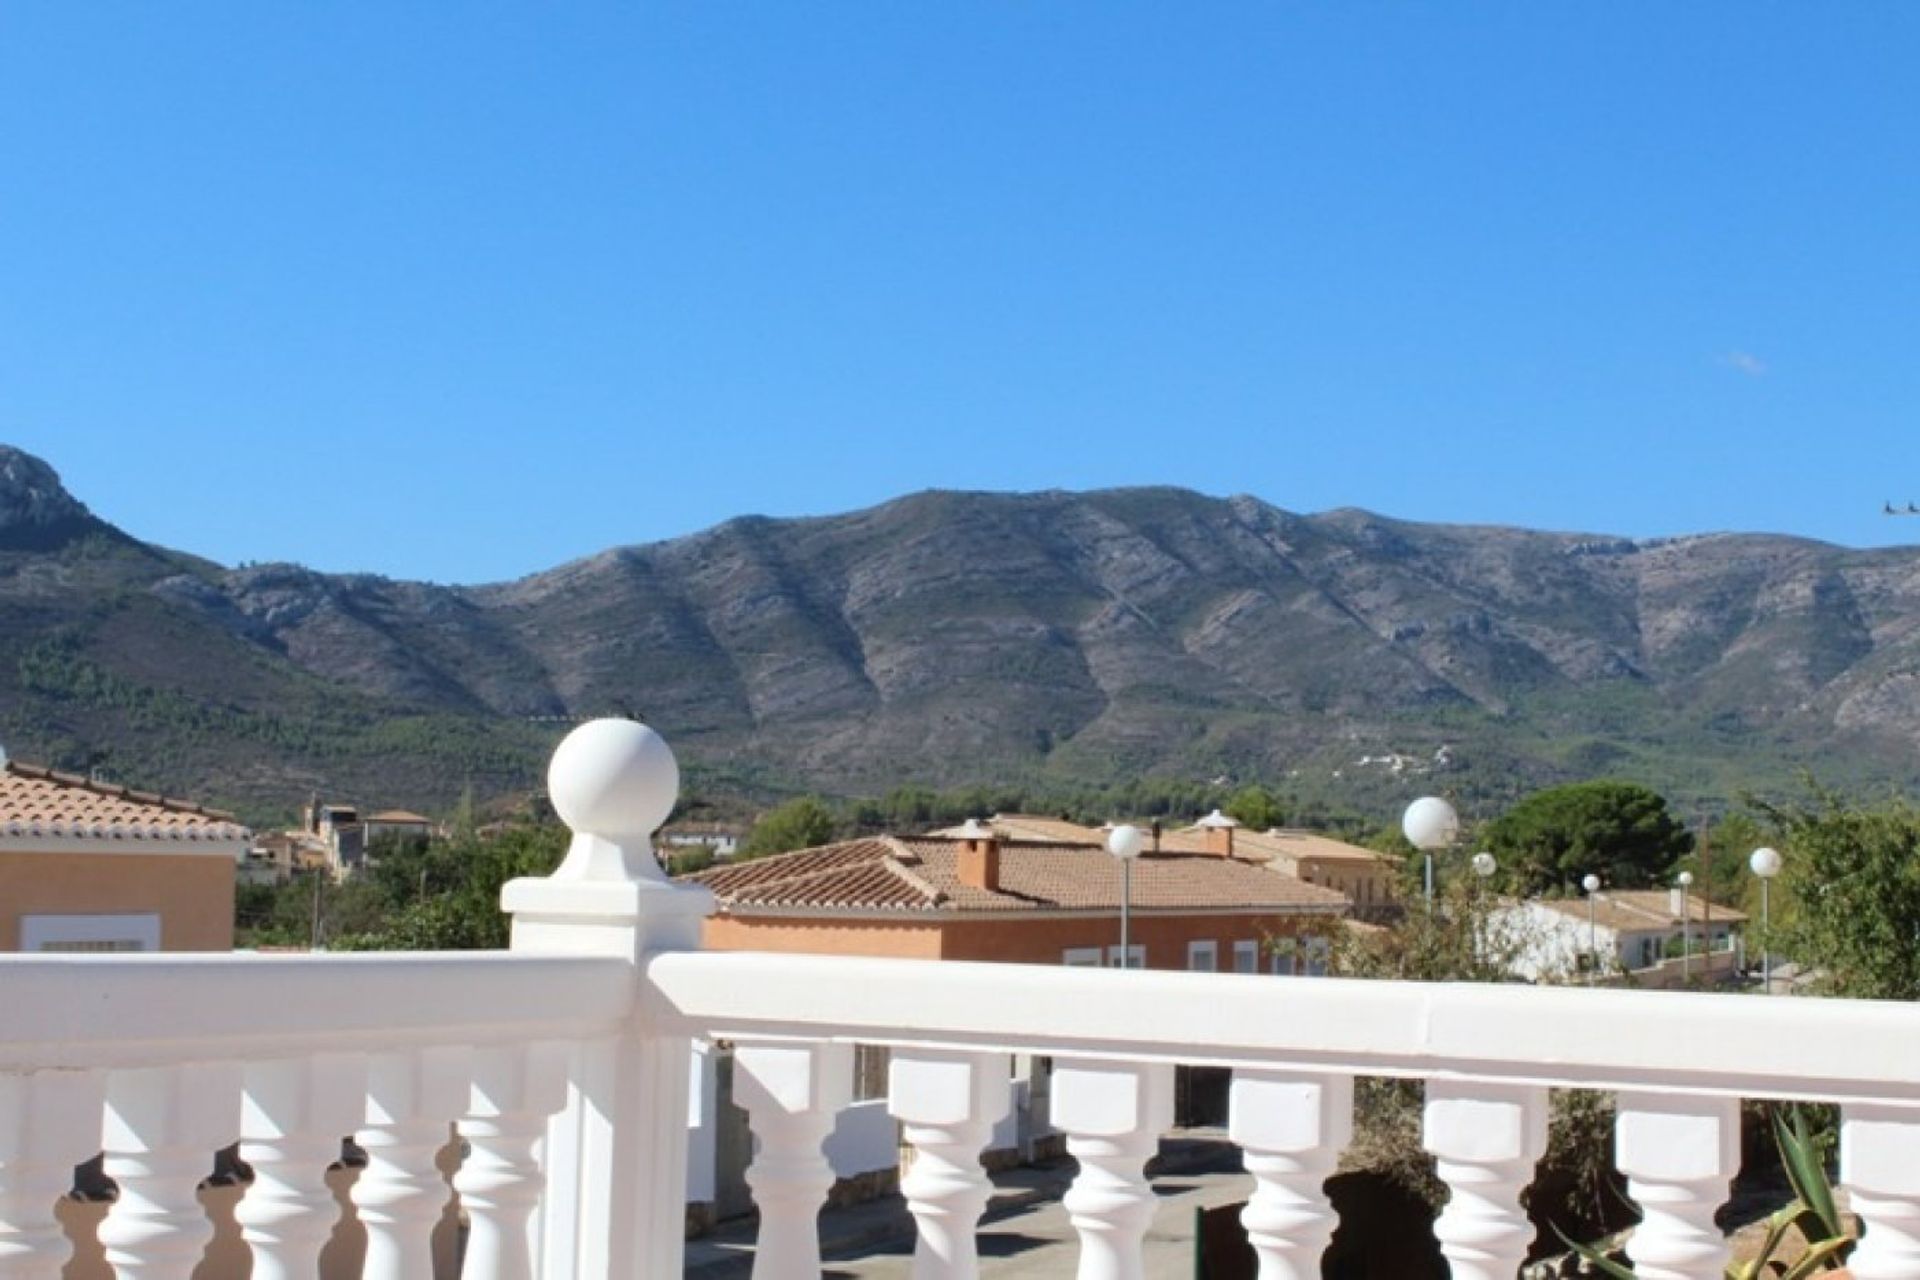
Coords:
1683,1042
154,1010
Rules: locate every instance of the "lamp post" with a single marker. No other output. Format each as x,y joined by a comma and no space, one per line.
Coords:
1125,843
1430,823
1765,863
1592,885
1685,880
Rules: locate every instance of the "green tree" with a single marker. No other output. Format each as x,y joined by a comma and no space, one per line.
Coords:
1255,808
1620,831
1847,902
798,824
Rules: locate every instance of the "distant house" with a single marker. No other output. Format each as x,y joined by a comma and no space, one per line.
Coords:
1366,877
344,836
720,840
90,867
1628,931
1016,890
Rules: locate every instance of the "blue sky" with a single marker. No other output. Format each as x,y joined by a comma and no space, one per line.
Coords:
462,291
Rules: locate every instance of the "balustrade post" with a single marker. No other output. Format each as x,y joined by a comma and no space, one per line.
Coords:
1486,1139
1291,1129
293,1115
791,1094
1882,1178
49,1122
412,1098
949,1104
514,1091
1679,1154
616,1201
1113,1114
163,1125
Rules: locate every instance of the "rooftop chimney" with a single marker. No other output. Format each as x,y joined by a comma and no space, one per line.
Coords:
979,856
1219,828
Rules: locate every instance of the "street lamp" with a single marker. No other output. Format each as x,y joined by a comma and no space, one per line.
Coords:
1592,885
1125,843
1685,879
1430,823
1765,863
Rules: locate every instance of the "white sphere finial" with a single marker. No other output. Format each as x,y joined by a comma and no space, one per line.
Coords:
1685,880
1765,863
1126,842
1430,823
616,779
1484,864
1591,883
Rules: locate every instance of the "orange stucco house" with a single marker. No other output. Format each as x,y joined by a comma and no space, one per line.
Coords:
1016,890
88,867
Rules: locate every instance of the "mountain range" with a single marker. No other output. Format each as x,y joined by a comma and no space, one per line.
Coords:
948,638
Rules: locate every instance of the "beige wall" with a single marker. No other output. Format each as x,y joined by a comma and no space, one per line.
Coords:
1013,941
191,893
827,937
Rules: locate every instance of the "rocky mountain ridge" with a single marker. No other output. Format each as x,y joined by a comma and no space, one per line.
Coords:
955,637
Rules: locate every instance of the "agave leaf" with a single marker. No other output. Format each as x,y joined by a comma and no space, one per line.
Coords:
1821,1257
1777,1224
1801,1159
1607,1266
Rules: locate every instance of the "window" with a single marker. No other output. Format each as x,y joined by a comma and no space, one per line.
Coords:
1246,957
1081,957
1283,962
1203,957
1136,956
132,932
1317,952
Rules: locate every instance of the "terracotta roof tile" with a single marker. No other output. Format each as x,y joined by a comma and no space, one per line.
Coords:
923,875
39,802
1631,910
1278,842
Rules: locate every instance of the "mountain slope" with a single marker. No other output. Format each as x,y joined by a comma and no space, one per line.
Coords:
953,637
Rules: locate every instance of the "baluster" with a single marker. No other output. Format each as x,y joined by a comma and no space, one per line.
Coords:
791,1094
293,1114
1878,1169
163,1125
949,1103
1486,1139
411,1100
514,1091
1679,1154
49,1122
1113,1114
1291,1129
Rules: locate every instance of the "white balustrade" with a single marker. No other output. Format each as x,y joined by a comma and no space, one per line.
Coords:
293,1114
49,1123
791,1093
1485,1139
564,1063
948,1104
1882,1177
163,1125
1292,1129
1679,1154
515,1089
411,1099
1113,1114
